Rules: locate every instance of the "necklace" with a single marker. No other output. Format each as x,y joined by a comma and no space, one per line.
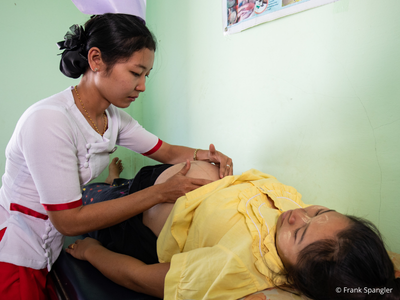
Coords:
94,125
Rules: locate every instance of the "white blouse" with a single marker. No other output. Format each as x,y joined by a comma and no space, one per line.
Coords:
52,153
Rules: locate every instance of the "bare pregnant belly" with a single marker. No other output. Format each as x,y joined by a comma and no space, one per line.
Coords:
155,217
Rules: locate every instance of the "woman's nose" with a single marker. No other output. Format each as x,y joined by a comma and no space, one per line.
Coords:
298,216
141,86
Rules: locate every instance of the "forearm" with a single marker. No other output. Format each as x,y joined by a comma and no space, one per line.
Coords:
178,154
173,154
128,271
83,219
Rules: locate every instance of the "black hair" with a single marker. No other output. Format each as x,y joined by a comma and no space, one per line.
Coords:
117,36
355,265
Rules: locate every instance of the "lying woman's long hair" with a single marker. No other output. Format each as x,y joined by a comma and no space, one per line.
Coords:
356,265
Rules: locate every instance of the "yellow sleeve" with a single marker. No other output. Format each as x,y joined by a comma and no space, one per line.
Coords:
208,273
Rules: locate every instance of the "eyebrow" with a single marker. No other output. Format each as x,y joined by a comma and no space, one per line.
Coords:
304,232
142,67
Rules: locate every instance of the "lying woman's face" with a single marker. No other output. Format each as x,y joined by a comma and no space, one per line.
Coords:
300,227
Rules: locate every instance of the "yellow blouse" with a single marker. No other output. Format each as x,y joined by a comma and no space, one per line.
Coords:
220,238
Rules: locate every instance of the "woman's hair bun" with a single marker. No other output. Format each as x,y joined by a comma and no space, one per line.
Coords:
74,58
117,36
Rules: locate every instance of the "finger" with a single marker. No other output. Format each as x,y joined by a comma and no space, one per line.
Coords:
70,248
185,168
200,182
77,242
216,158
223,170
227,169
212,150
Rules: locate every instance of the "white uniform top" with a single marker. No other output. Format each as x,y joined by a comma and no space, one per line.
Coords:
52,153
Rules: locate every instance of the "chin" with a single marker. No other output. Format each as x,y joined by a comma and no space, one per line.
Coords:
122,105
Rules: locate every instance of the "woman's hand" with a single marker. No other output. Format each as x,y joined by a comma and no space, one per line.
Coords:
123,269
80,248
224,162
180,184
173,154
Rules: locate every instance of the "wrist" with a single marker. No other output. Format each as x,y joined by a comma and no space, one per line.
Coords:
92,251
195,154
201,155
158,192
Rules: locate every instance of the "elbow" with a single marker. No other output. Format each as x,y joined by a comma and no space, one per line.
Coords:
68,231
68,228
67,222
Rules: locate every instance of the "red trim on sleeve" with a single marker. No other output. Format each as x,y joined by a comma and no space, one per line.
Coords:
57,207
155,148
2,233
27,211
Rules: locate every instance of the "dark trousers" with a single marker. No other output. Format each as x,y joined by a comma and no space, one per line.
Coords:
130,237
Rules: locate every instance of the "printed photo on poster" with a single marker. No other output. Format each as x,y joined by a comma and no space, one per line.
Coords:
239,15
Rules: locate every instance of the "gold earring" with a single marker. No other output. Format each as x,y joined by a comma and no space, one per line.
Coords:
95,70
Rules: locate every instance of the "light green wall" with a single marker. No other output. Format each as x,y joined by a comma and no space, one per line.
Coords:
29,62
312,98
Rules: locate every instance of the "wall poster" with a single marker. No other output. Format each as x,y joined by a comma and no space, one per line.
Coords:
239,15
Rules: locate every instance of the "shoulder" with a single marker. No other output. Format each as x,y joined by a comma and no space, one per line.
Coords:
62,101
48,114
59,104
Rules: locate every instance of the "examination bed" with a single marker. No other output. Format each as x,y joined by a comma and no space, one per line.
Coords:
79,280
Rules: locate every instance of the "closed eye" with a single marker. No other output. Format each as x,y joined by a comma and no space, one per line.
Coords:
295,233
319,212
306,225
322,211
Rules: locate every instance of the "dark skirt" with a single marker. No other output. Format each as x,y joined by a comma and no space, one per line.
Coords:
130,237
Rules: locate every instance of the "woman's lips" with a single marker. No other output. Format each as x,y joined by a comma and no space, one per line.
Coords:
132,98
